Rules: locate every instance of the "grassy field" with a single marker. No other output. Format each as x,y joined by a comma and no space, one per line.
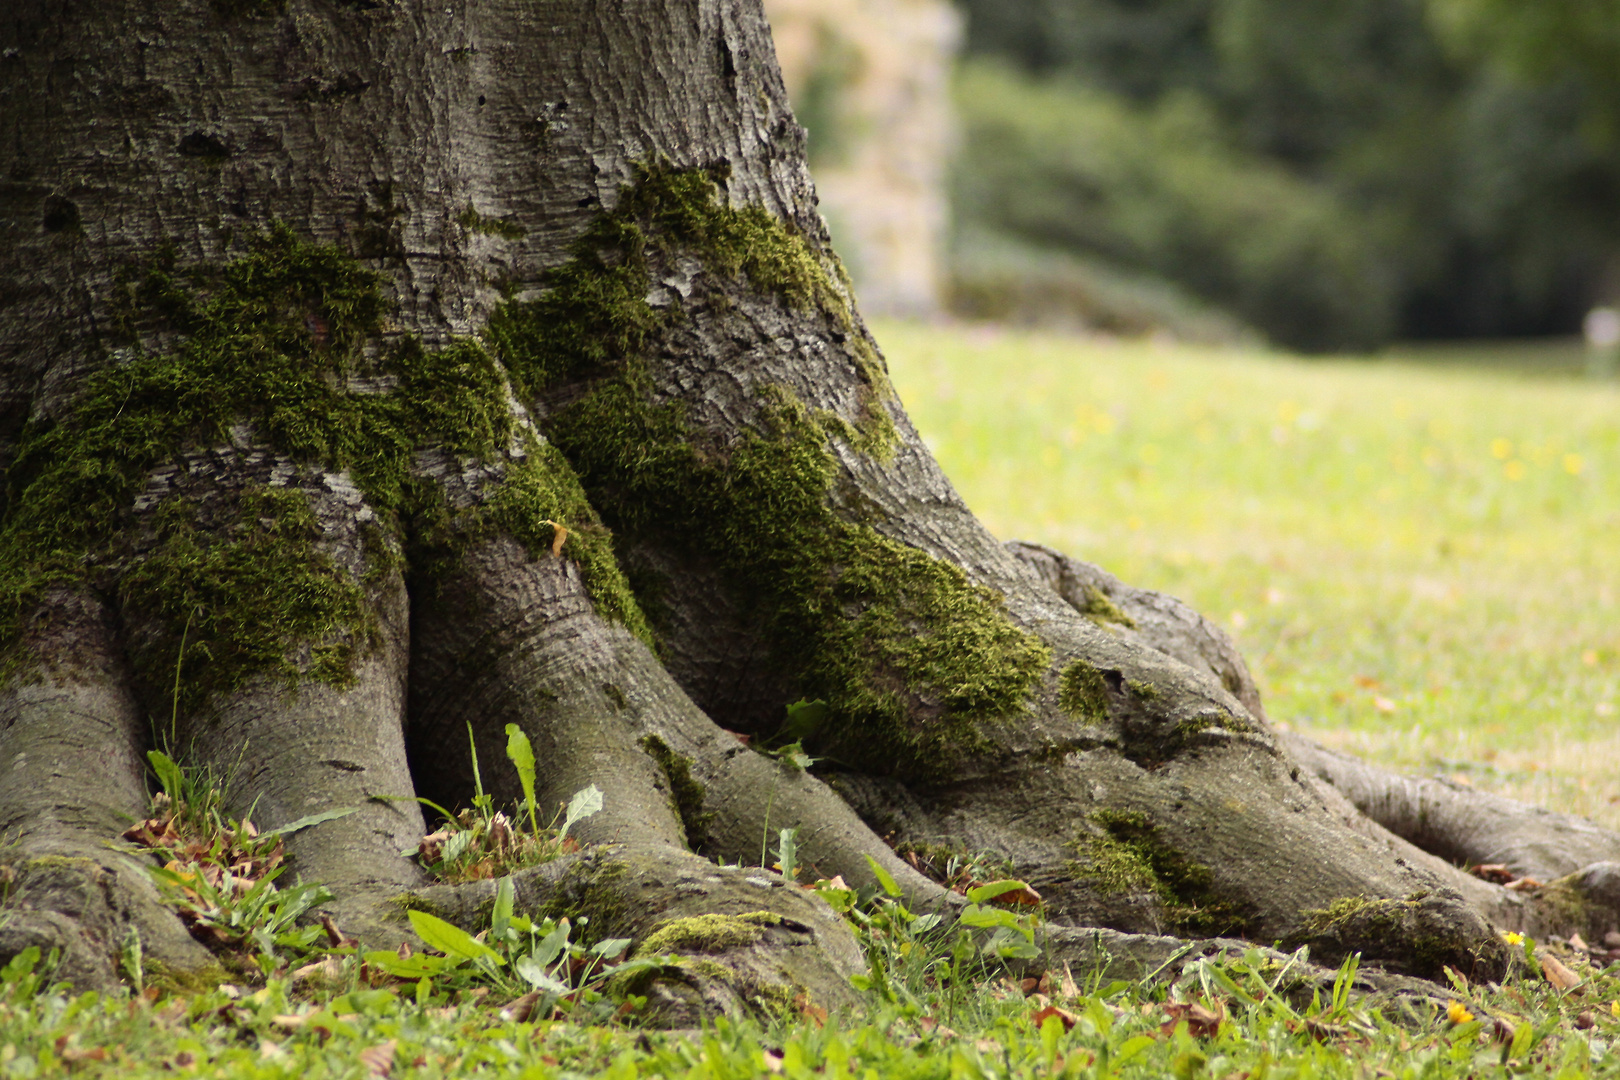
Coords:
1419,554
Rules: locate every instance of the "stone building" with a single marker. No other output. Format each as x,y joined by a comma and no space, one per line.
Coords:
870,80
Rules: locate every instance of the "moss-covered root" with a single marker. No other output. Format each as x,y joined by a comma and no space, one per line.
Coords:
1421,935
739,940
326,734
73,771
514,638
1585,902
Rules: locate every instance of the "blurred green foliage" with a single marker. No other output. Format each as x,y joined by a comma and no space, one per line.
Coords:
1336,172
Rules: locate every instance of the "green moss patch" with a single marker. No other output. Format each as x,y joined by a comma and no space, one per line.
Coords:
1101,610
283,339
707,933
909,654
1083,693
686,793
1124,853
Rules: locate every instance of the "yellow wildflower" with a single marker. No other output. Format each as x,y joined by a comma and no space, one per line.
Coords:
1457,1014
1513,939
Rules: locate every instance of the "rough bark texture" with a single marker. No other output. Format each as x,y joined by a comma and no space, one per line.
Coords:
310,531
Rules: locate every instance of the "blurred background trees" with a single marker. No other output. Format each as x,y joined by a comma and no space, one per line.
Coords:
1334,174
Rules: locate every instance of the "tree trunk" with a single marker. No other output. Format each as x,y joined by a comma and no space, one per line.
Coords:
373,370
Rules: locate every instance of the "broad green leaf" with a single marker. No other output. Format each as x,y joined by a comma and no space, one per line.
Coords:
500,917
552,945
804,721
451,940
611,946
521,752
170,775
1133,1046
984,893
478,781
787,853
884,878
414,967
313,819
536,976
583,805
976,915
458,843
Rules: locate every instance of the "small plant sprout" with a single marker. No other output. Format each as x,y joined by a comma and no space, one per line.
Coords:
220,872
482,842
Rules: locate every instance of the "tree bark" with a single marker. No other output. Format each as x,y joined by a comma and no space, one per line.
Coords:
373,371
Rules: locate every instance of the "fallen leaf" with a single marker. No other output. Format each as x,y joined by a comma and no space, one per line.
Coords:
330,969
379,1059
1578,942
1559,975
1201,1022
334,935
1585,1021
74,1054
1493,872
269,1050
1040,1017
1068,987
1522,884
930,1026
288,1021
1026,896
810,1010
522,1008
559,536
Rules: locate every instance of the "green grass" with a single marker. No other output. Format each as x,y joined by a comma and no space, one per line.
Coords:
1419,555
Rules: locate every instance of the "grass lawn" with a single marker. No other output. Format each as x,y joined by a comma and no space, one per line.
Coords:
1419,559
1419,555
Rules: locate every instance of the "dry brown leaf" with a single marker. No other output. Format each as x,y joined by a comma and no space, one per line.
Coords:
930,1026
1523,884
75,1054
810,1010
1025,896
1201,1022
379,1059
289,1021
1559,975
1068,987
330,969
1497,873
1040,1016
1578,942
559,536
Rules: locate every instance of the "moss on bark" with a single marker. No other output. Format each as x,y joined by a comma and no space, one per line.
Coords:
284,340
910,655
1125,853
1082,693
686,794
